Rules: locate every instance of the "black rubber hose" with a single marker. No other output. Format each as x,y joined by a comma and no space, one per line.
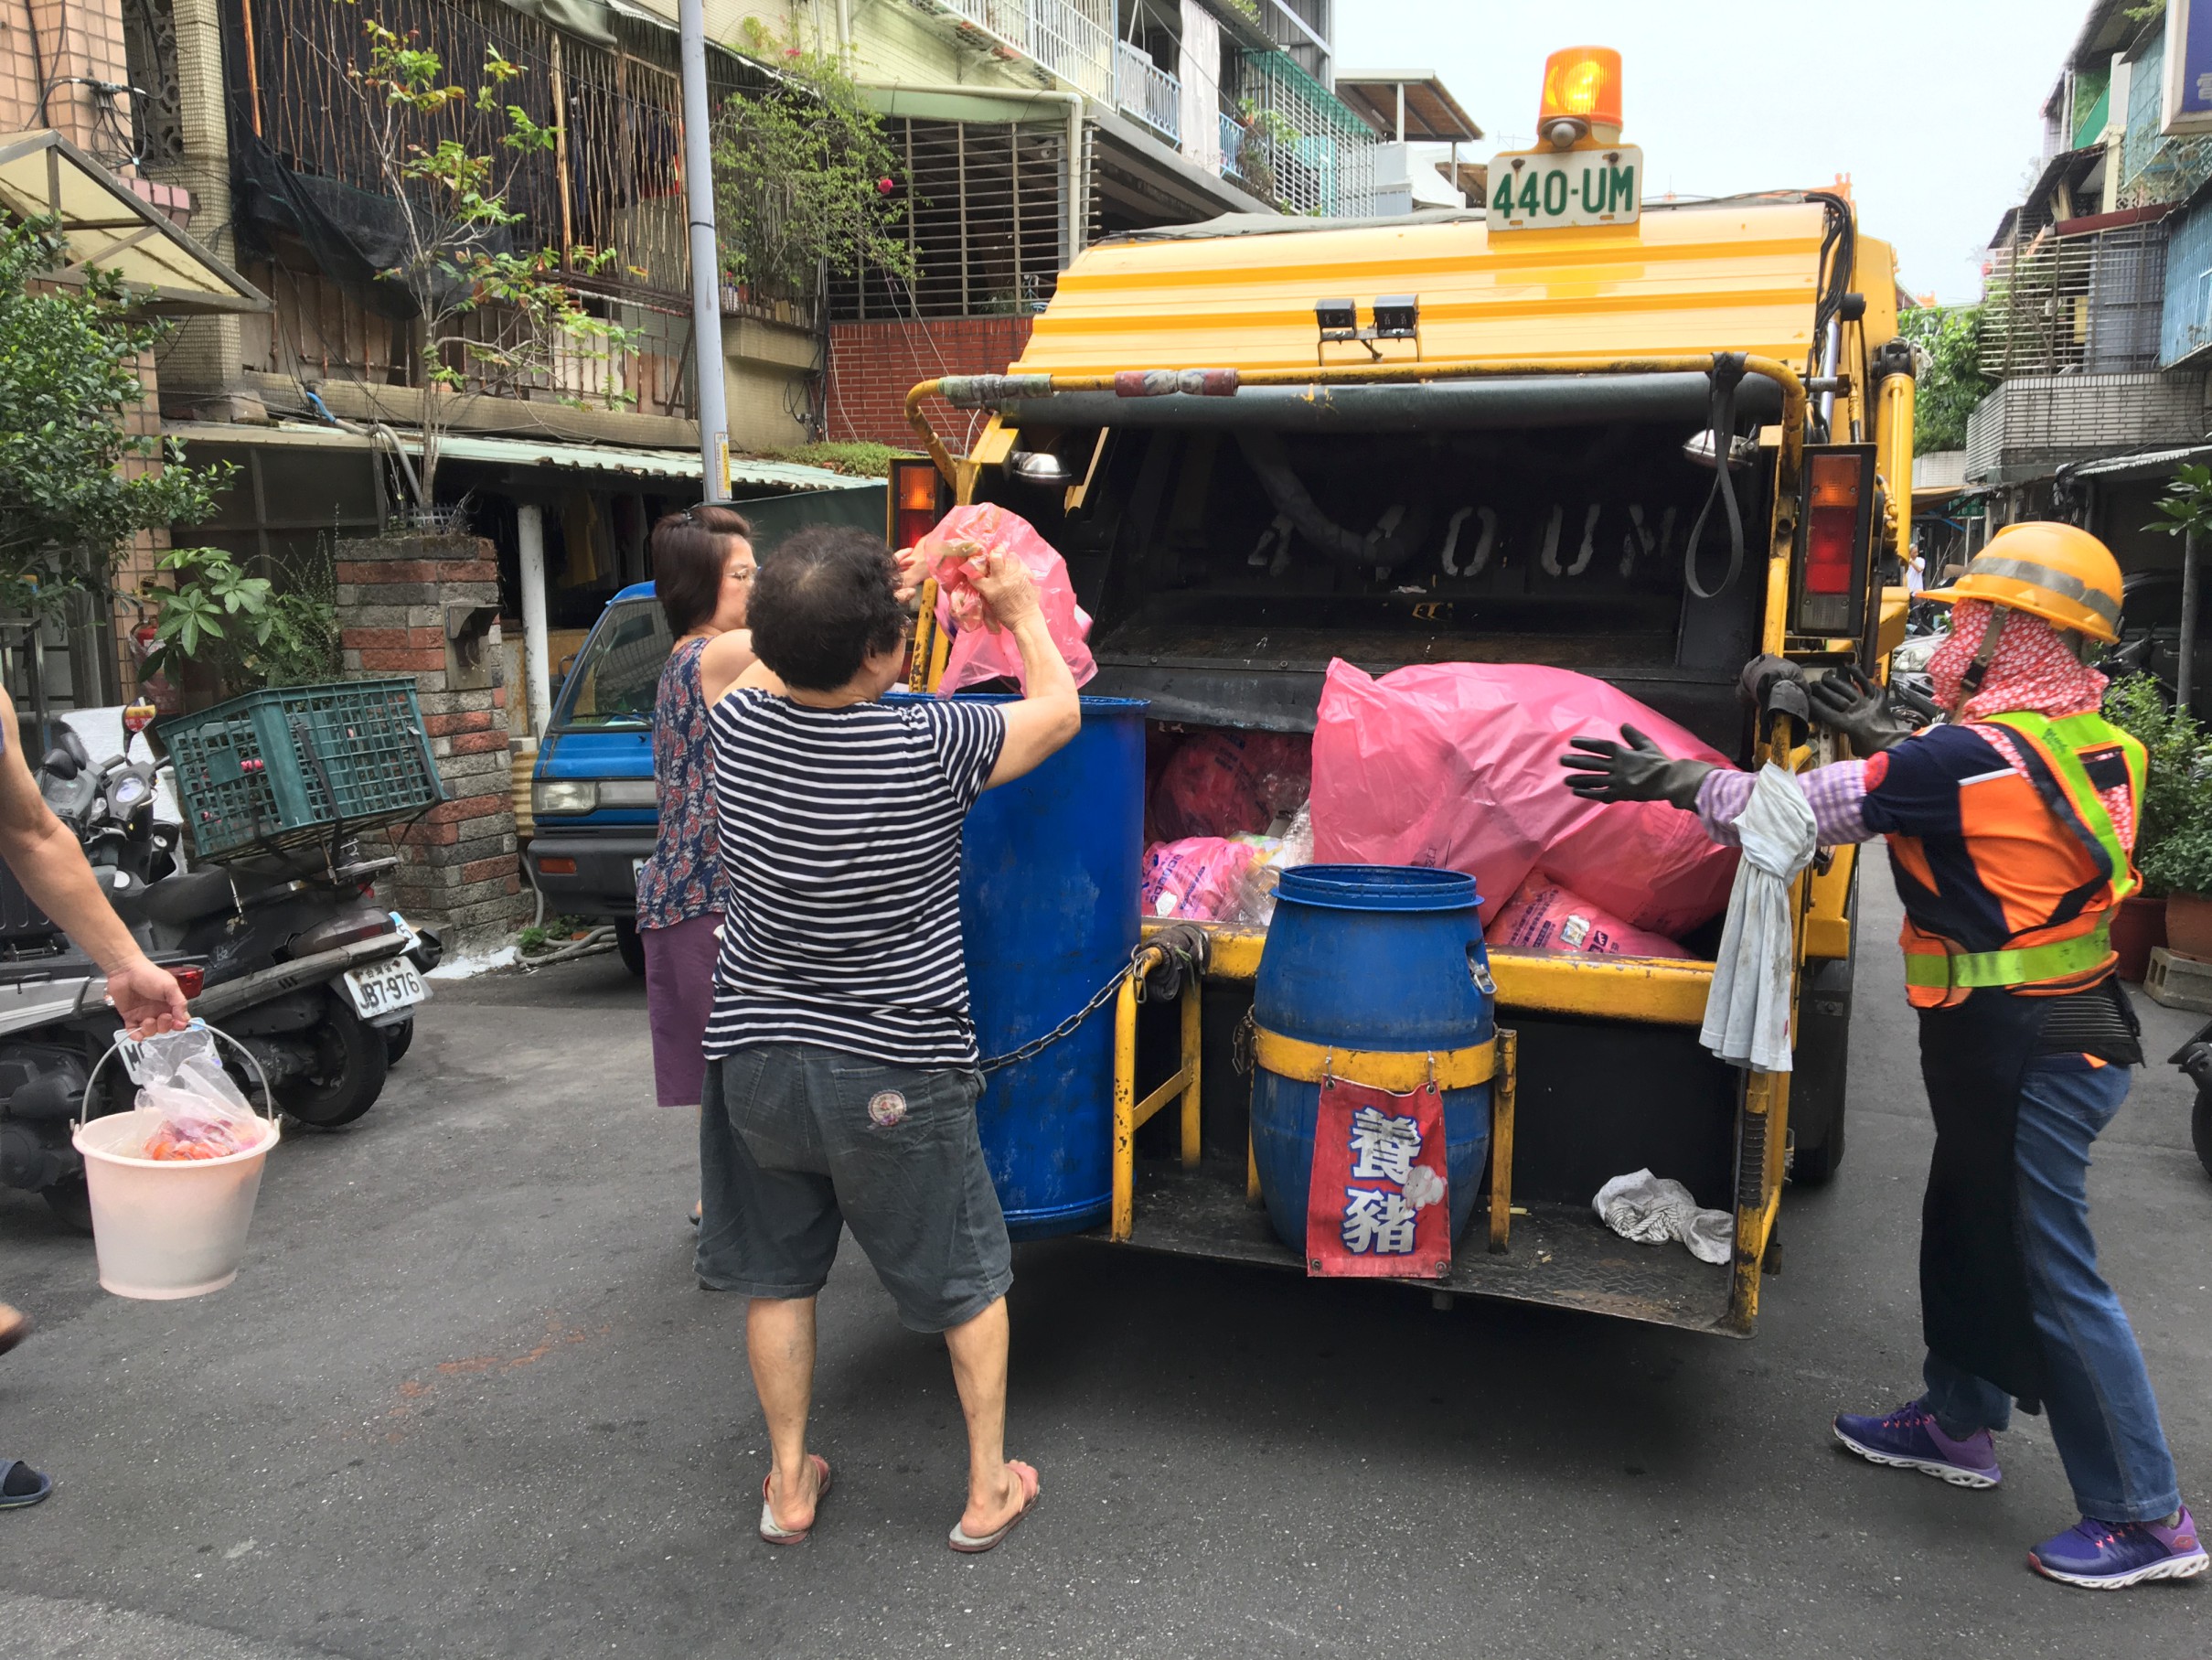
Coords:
1265,453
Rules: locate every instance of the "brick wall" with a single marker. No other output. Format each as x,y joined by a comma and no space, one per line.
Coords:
63,38
873,365
458,871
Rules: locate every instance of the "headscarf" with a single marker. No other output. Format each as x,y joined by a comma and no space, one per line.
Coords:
2035,671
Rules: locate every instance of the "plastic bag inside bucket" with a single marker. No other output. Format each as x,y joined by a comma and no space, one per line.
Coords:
203,1115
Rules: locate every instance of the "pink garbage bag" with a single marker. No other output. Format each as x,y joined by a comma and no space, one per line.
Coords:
980,652
1456,765
1544,916
1228,783
1198,878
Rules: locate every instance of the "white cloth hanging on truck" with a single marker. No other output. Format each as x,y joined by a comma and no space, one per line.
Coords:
1748,1009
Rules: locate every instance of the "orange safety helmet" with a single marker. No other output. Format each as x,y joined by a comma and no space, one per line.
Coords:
2057,571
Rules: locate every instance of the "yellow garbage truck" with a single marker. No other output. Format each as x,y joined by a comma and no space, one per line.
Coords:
1571,348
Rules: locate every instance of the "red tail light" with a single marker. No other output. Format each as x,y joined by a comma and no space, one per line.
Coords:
916,501
1832,578
191,981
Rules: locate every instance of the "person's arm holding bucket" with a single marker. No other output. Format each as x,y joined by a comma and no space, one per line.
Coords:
51,866
1049,712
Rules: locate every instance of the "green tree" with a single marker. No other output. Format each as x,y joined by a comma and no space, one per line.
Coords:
69,381
1950,381
805,181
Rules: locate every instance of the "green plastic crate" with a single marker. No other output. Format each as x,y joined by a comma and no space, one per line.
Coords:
285,768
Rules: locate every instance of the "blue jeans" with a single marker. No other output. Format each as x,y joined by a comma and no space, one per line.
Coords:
2103,1416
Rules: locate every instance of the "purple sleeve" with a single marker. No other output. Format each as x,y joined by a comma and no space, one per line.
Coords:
1834,792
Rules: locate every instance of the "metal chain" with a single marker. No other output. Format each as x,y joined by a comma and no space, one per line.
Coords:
1067,1028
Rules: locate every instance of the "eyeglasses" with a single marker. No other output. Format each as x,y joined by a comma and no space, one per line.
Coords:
743,575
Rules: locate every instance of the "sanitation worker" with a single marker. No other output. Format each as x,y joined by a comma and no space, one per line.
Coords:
2011,830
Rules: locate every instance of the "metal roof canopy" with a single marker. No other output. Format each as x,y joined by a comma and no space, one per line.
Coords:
1432,114
2146,464
168,273
781,476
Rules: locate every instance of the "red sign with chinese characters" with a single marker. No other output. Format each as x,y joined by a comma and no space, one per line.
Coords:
1379,1204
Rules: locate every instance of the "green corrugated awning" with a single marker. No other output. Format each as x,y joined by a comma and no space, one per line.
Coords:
783,476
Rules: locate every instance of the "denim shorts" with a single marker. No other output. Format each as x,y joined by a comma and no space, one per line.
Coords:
795,1141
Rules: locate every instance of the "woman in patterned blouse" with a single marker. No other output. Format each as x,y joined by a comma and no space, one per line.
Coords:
702,573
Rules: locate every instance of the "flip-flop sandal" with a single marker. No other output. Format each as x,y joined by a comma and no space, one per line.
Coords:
15,1326
770,1530
1032,1489
23,1499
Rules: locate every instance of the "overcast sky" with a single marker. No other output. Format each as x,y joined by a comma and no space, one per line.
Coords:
1936,115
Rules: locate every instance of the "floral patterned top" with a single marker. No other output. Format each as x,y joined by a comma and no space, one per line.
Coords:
683,879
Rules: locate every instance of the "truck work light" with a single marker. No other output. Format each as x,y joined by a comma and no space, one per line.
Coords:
1337,319
1397,317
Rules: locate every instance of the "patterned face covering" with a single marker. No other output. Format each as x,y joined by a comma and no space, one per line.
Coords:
2033,669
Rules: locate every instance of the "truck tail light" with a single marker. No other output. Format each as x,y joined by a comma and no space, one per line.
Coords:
917,492
1832,574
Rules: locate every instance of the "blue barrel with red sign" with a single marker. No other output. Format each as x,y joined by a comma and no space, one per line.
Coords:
1379,961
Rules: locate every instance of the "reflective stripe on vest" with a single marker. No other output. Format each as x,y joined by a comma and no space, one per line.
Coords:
2022,966
2059,743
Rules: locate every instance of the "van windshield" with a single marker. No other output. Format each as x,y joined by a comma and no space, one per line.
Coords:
617,673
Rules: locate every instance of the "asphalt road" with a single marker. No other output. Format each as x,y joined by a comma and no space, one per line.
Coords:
467,1398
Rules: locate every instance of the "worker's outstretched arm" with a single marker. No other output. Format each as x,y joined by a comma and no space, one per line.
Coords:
1050,713
1639,770
48,862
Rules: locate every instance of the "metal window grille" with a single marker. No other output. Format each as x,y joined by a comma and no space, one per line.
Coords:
1300,145
614,179
2153,166
1073,39
984,219
149,40
2090,304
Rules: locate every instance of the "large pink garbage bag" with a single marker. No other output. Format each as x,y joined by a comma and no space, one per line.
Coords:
980,652
1456,765
1195,878
1222,783
1545,916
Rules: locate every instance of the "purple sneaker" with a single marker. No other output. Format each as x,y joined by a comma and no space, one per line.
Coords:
1911,1438
2112,1556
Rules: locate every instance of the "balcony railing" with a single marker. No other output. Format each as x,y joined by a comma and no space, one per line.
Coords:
1142,89
1072,39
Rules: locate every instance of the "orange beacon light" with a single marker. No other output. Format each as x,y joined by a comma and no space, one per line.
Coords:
1581,92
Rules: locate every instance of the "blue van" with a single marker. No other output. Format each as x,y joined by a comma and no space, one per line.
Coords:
591,790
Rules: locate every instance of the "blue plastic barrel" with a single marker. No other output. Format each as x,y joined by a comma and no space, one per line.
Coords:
1386,957
1049,880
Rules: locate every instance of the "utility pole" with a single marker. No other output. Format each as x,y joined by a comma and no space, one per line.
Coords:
706,261
2184,672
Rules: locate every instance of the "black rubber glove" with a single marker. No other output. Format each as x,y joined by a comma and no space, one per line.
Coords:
1638,770
1847,701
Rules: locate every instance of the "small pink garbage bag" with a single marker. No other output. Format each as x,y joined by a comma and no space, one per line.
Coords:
1198,878
1544,916
980,652
1455,766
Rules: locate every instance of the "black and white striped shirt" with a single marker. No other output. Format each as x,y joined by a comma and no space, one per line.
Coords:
841,836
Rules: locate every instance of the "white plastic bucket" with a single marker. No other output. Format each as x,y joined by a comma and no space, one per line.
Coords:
166,1228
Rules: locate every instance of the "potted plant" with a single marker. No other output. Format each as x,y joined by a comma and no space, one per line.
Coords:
2177,795
2182,866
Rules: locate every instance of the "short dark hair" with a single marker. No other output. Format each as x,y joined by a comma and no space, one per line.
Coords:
688,560
823,604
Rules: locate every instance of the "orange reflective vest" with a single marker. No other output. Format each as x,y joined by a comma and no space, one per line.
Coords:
2047,856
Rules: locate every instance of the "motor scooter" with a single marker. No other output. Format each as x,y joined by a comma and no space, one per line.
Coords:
2194,1057
303,966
